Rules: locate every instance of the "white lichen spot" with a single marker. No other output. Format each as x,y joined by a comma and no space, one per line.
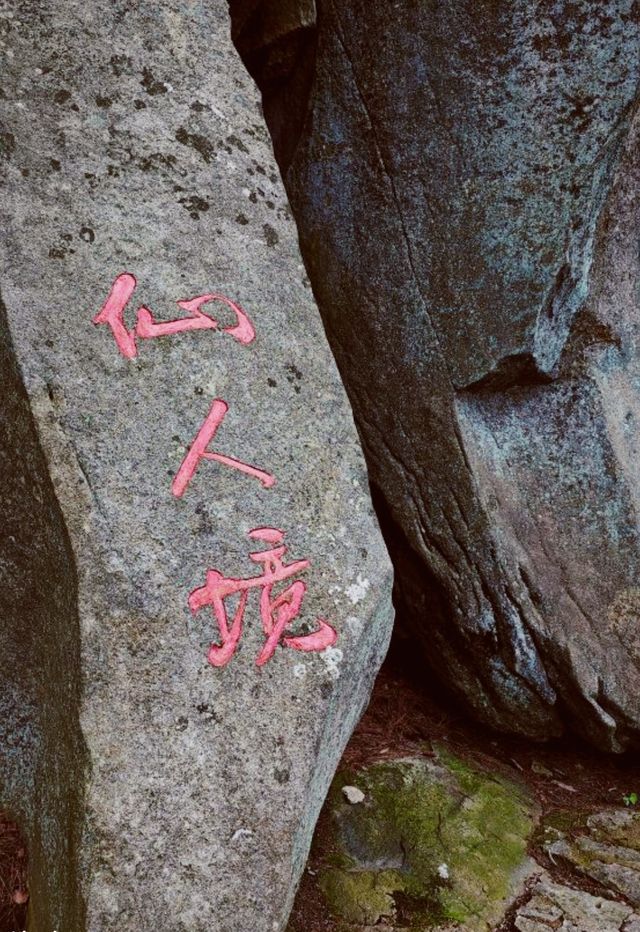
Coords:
443,871
300,671
332,657
354,624
241,833
357,591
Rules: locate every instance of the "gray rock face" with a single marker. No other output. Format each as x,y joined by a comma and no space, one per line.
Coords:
464,177
159,790
556,906
607,850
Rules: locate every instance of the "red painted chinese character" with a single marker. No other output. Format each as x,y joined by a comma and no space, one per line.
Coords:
198,450
277,611
112,313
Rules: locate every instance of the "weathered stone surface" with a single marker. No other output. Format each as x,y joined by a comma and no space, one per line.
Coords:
157,791
556,906
607,849
464,177
436,844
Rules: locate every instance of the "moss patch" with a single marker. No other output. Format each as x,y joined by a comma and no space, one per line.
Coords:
364,896
433,844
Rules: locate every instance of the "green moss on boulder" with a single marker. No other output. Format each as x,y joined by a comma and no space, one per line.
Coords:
433,845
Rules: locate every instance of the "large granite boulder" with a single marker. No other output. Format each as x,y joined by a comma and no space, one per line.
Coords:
167,733
464,176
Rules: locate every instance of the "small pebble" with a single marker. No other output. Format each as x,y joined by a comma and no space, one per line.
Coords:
352,794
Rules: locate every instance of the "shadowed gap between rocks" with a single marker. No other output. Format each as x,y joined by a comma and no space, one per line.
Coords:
42,758
13,877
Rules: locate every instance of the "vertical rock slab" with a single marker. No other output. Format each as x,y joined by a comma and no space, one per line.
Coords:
459,172
152,453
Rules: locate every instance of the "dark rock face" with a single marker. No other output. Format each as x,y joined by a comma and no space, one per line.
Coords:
40,740
464,180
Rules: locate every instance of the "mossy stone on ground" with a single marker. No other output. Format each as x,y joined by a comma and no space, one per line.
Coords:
435,845
604,846
557,906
